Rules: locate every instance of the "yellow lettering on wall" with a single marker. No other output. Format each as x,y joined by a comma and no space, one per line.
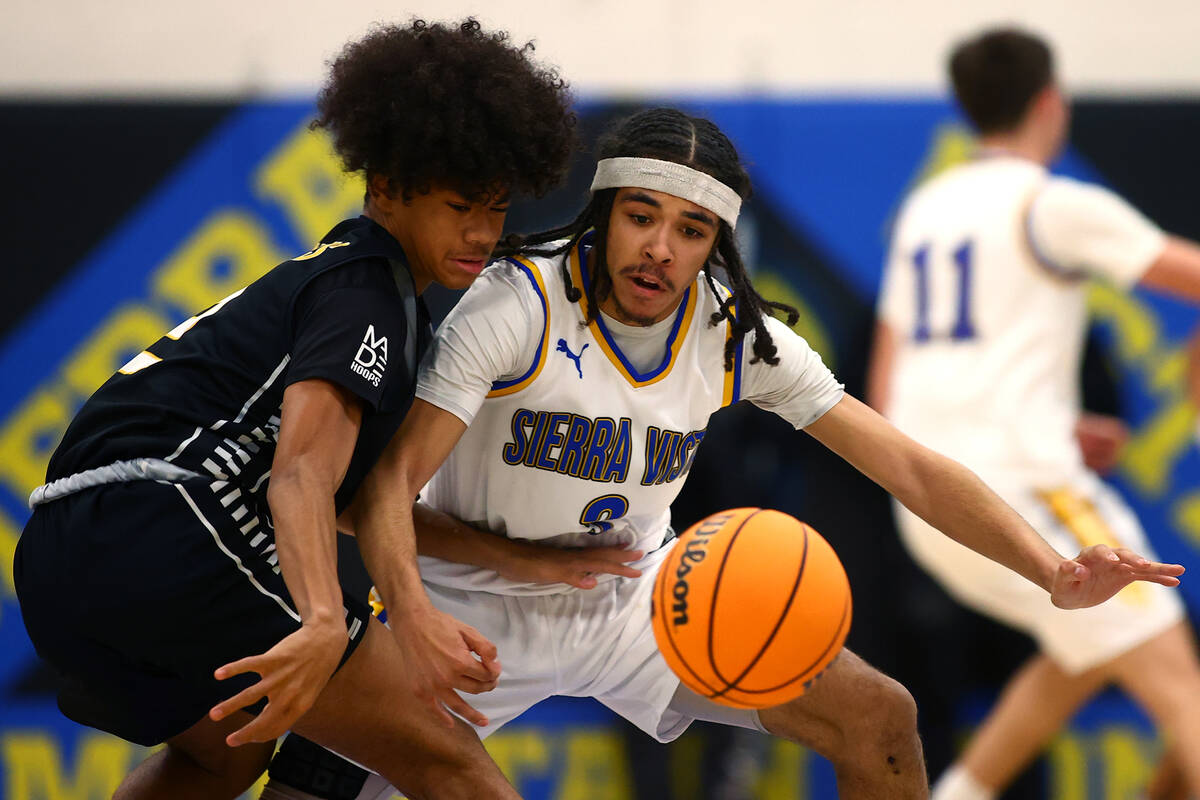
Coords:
1135,328
35,770
1067,768
685,765
228,251
1128,759
306,178
952,145
1186,515
1168,371
1153,450
28,437
596,768
771,286
1157,445
786,774
127,330
520,754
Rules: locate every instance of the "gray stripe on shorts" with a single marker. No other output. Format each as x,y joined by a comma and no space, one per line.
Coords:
136,469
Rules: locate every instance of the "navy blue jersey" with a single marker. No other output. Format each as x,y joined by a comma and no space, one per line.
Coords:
207,396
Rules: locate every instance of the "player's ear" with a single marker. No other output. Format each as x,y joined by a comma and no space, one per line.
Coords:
380,190
1048,99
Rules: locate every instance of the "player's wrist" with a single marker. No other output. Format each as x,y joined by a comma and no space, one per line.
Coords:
413,609
324,618
504,555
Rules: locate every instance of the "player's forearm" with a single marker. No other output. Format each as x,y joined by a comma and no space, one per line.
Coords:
879,368
383,524
1176,271
954,500
301,503
942,492
442,536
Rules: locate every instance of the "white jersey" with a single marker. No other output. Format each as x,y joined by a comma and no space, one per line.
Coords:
570,440
984,292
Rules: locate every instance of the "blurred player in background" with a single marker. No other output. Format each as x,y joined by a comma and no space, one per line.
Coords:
587,368
191,505
982,316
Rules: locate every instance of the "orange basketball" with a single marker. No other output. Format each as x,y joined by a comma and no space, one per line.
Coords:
750,606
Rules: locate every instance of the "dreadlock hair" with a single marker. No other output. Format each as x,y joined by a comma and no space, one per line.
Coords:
668,135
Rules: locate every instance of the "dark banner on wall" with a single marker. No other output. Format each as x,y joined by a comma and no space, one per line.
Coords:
123,219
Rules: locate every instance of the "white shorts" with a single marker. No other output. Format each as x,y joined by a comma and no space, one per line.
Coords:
1082,512
581,643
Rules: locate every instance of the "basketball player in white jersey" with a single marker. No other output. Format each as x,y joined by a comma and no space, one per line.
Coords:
587,370
982,316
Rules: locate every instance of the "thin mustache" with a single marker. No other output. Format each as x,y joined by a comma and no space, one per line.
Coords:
651,270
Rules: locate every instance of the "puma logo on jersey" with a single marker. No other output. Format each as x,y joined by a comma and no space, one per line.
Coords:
562,348
371,359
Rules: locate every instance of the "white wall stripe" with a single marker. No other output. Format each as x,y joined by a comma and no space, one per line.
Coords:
249,575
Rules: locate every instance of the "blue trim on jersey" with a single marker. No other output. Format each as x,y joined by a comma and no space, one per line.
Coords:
1043,260
680,313
537,356
737,372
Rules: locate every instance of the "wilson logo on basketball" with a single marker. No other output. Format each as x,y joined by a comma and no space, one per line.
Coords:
694,552
750,606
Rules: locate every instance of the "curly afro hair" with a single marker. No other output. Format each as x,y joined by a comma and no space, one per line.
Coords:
456,106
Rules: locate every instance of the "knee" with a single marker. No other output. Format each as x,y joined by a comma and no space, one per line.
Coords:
880,726
235,768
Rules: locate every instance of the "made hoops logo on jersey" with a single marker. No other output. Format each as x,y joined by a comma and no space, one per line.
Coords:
371,359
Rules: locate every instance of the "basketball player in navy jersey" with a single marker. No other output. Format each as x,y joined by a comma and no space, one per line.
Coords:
191,505
563,400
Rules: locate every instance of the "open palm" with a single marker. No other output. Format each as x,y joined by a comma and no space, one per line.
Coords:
1099,572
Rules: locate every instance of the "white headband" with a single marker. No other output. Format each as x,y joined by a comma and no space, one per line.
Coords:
666,176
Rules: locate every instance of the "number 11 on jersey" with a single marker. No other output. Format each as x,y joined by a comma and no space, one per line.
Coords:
962,328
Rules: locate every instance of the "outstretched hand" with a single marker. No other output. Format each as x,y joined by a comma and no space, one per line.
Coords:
440,656
529,562
291,676
1099,572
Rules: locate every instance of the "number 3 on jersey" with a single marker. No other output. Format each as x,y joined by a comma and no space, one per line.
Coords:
962,328
596,514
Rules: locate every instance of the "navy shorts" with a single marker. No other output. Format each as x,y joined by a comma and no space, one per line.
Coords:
135,592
